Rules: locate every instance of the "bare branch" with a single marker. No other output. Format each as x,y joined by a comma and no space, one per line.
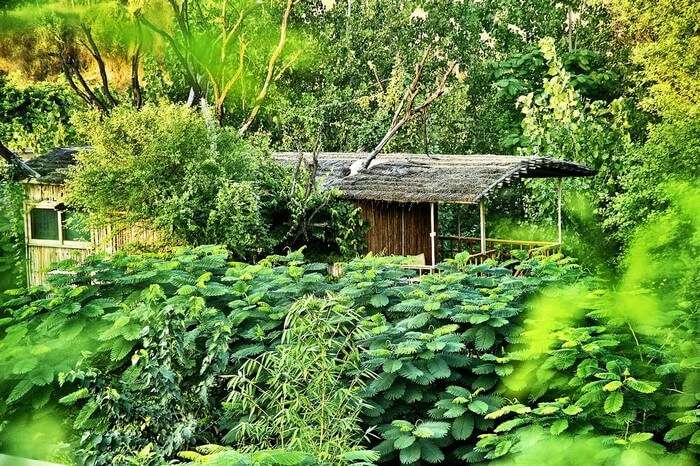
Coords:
376,76
301,223
407,108
313,169
102,106
137,96
71,83
68,56
412,90
71,67
288,63
91,45
194,84
239,71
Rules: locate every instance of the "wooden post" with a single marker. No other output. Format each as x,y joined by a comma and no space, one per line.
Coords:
482,222
433,234
27,232
459,227
559,208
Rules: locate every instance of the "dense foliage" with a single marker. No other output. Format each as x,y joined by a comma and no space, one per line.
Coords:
35,117
151,338
185,356
11,236
580,80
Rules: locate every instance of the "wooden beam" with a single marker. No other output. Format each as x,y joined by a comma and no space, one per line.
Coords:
482,223
13,159
516,242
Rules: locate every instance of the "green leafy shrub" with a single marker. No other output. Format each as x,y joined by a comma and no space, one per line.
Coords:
171,167
217,455
134,350
620,362
35,116
167,165
439,349
237,220
11,234
669,155
135,347
146,356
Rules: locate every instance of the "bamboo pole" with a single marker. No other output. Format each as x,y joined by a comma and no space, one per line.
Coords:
559,208
433,234
459,226
482,223
27,233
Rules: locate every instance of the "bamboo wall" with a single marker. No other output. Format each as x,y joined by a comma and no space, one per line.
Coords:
39,258
398,228
109,239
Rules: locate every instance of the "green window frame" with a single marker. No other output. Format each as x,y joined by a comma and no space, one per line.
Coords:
44,224
50,227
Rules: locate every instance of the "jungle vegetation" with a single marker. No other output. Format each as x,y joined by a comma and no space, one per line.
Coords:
249,352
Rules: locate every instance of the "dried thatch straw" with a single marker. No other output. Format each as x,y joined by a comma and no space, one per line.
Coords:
438,178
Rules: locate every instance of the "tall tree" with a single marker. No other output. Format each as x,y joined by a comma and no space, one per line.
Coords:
220,48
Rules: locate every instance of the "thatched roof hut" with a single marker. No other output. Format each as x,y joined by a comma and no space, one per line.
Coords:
399,194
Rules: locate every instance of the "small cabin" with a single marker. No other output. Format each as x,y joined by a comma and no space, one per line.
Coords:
53,231
400,196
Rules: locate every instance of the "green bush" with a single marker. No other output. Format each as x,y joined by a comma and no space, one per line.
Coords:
616,363
35,116
172,168
670,154
167,165
439,349
133,350
12,253
305,393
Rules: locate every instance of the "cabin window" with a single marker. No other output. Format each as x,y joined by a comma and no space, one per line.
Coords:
44,224
61,227
74,229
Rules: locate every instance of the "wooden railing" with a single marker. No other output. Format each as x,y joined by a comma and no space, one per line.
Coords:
495,248
451,245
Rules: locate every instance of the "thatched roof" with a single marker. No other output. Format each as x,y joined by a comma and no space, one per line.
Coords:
437,178
53,165
390,177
